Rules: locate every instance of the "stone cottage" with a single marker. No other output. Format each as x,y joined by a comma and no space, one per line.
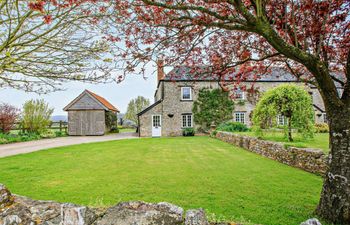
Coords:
176,91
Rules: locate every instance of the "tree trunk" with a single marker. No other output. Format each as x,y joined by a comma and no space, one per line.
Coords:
290,129
335,197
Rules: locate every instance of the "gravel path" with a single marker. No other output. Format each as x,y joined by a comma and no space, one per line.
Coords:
32,146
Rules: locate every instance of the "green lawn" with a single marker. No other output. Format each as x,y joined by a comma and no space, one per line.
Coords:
191,172
320,141
126,130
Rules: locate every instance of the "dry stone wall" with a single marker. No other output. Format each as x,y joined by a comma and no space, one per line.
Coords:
311,160
19,210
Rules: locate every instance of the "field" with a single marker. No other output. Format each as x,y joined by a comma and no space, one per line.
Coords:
192,172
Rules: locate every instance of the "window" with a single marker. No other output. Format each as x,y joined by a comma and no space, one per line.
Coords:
281,120
186,120
240,117
186,93
156,121
240,94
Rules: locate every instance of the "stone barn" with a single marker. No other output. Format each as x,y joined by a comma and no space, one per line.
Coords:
86,114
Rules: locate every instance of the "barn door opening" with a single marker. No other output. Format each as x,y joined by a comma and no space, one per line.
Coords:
156,126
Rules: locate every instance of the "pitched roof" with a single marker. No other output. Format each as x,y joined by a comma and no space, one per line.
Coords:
100,100
103,101
185,73
149,107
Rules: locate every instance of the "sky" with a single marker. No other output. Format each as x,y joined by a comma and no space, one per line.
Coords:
117,94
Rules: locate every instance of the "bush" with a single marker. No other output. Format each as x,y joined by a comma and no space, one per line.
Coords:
10,138
8,116
36,116
321,128
47,134
60,133
233,127
114,129
112,122
188,132
28,137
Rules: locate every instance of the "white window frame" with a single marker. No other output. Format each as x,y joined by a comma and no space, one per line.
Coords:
185,122
159,122
239,118
281,118
182,94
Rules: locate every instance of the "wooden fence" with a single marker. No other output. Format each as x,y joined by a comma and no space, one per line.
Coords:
59,125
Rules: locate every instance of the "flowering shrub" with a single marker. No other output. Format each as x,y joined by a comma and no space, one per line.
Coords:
8,116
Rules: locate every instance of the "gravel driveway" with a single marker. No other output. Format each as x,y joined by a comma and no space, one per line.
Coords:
32,146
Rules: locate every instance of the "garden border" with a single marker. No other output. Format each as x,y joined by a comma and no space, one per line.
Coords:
308,159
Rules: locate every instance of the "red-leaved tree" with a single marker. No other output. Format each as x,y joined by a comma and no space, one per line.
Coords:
8,116
241,39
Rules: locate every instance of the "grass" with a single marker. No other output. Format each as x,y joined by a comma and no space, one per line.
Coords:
191,172
126,130
320,141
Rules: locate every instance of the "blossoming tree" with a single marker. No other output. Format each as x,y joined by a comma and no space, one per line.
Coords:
241,39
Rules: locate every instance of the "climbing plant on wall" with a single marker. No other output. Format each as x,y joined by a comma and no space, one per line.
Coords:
212,106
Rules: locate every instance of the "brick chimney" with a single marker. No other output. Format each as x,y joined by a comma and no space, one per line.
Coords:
160,69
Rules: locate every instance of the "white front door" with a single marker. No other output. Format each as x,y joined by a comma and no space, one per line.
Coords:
156,126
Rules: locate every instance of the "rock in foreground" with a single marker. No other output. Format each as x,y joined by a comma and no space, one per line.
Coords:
312,221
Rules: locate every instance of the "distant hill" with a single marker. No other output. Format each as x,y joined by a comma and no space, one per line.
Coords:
58,118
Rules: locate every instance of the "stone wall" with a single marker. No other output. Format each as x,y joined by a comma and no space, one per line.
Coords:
19,210
311,160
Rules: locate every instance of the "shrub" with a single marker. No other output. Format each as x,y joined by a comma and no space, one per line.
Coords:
36,116
114,129
112,122
8,116
321,128
47,134
28,137
232,127
10,138
188,132
60,133
213,133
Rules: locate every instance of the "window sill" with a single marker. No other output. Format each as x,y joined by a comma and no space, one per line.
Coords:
186,100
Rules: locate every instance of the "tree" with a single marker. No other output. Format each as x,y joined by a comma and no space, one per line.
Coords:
135,106
45,43
8,116
36,116
212,106
242,39
290,101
